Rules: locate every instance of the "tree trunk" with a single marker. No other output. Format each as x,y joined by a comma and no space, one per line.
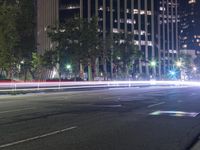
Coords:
111,65
76,71
59,71
126,72
97,67
81,71
89,71
1,72
33,75
105,69
25,75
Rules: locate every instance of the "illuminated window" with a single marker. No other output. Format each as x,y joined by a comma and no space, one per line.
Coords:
185,46
191,1
185,38
142,12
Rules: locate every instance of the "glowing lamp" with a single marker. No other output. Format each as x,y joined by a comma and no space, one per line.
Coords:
153,63
68,67
178,63
173,73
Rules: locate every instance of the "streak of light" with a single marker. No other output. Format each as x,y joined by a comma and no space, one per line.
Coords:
21,86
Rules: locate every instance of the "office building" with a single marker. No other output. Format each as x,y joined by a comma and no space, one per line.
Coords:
167,34
47,15
190,24
151,23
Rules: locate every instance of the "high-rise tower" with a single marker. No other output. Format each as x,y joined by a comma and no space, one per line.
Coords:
47,15
190,25
152,24
167,34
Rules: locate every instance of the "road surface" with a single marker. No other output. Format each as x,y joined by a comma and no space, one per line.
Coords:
147,118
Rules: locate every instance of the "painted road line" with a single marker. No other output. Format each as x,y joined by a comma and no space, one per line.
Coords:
16,110
110,106
175,113
37,137
196,146
157,104
122,88
111,97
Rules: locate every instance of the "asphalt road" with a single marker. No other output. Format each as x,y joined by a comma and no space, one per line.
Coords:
108,119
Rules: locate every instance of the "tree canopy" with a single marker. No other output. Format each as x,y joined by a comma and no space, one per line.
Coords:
17,34
9,37
77,41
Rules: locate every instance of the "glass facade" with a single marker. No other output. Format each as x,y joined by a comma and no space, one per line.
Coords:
152,24
190,23
167,33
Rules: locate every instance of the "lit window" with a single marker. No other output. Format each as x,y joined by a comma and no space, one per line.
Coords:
115,30
191,1
185,46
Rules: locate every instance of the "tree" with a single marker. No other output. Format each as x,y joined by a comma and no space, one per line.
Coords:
64,35
184,64
8,38
197,65
125,53
25,25
17,37
197,62
77,42
89,43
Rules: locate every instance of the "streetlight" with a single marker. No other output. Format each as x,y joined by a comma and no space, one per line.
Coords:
68,70
68,66
22,62
172,72
194,68
118,58
179,64
180,68
153,63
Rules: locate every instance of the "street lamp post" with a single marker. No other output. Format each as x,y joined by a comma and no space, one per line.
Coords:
69,69
153,64
179,65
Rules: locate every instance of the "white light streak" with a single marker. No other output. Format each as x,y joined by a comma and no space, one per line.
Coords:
29,86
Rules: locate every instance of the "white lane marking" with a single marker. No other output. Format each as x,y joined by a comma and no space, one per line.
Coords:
15,110
110,106
175,113
123,88
37,137
153,105
193,94
112,97
196,146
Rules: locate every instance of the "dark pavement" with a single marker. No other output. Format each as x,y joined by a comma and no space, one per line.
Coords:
108,119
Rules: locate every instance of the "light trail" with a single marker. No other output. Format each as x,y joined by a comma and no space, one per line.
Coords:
32,86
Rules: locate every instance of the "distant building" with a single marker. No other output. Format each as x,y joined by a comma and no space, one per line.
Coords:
167,34
47,15
68,9
190,52
190,25
151,23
